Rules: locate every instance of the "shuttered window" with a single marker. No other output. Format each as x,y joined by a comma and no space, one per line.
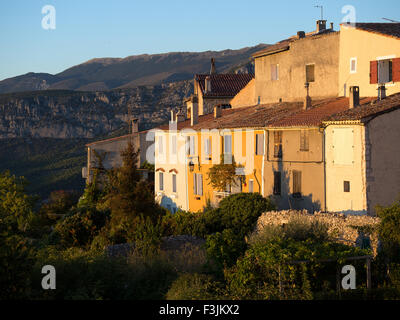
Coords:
161,180
192,145
296,183
174,183
310,73
228,144
198,184
274,72
277,183
207,146
346,186
259,144
173,144
304,140
396,70
373,73
278,144
251,186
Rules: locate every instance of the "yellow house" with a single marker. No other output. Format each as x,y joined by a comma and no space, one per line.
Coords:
369,57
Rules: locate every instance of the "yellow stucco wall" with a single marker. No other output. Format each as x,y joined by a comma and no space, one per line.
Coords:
323,51
241,148
310,163
246,96
365,47
345,161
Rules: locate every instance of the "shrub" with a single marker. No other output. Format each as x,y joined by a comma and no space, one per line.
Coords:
80,227
194,287
223,248
241,211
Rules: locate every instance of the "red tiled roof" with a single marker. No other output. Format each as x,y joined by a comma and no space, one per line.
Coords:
389,29
319,111
367,110
224,85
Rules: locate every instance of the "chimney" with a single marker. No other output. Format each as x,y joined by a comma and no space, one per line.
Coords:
307,100
213,69
321,25
180,116
134,125
332,26
207,85
381,92
354,97
217,112
173,116
301,34
194,113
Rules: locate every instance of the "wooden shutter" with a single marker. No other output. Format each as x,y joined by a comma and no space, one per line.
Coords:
194,183
259,144
161,182
396,70
373,72
174,183
277,183
297,182
200,185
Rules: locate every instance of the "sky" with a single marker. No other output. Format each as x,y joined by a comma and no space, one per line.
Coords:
87,29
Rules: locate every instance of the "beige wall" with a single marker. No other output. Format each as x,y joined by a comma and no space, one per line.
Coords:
323,51
365,47
345,161
383,160
310,163
246,96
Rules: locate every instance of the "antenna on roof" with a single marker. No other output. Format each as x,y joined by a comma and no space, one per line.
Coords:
322,11
390,20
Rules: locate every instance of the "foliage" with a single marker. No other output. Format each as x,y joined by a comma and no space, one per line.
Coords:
80,227
224,248
16,207
269,271
195,287
223,174
389,230
147,165
241,211
93,275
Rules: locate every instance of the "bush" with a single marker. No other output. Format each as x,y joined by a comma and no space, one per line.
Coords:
80,227
241,211
223,248
194,287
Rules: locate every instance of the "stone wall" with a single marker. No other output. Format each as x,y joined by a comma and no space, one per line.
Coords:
340,225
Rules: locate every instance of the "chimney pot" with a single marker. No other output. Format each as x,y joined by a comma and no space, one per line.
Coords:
301,34
354,97
217,112
180,116
331,25
173,116
213,69
134,125
194,114
321,25
207,85
381,92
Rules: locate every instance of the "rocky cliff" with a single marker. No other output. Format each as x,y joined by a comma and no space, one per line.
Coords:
73,114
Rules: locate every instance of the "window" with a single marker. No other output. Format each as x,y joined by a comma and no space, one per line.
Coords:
251,186
304,140
384,71
174,183
161,180
173,144
198,184
259,144
346,186
228,144
278,144
274,71
190,145
353,65
277,183
296,184
310,73
207,147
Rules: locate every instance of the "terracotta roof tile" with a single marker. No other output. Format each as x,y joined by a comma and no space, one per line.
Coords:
389,29
366,110
224,85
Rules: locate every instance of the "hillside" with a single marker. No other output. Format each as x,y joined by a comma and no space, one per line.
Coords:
111,73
